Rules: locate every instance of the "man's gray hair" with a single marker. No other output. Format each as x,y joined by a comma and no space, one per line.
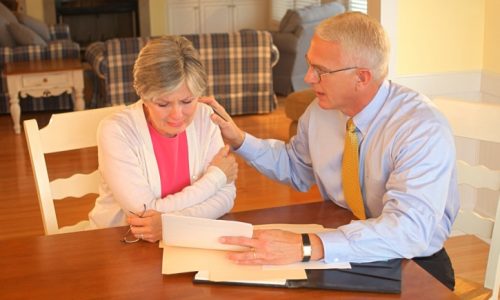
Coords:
164,64
363,41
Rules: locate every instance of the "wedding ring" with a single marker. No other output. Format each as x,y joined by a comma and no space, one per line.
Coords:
141,236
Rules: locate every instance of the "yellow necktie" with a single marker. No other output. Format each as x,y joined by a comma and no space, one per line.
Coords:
350,175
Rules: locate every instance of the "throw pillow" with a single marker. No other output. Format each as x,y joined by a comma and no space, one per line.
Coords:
6,14
25,36
34,24
6,39
290,21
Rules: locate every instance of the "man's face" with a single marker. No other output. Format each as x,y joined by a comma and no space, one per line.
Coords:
333,82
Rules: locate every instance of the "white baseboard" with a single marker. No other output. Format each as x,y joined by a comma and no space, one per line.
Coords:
465,84
490,86
470,85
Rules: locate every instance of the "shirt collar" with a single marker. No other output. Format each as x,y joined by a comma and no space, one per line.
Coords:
364,118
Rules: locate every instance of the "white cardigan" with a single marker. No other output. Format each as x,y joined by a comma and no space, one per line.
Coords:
130,175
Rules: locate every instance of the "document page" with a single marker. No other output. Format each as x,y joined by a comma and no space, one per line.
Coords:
182,260
202,233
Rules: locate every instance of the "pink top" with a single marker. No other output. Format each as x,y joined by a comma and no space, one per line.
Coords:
173,163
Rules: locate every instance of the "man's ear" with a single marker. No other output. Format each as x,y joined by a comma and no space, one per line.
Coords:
364,77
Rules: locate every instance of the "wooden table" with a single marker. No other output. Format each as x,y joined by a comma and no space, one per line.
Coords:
43,78
95,264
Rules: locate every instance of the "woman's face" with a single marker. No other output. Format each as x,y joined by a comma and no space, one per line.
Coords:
171,113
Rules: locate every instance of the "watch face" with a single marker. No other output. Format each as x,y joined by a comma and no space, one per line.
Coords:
307,250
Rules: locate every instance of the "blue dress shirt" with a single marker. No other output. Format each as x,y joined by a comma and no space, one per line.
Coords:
407,173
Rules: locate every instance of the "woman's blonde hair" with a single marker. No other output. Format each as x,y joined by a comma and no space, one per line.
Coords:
362,39
164,64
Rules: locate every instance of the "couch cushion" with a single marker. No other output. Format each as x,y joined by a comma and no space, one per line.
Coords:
25,36
6,14
316,13
6,39
290,21
36,25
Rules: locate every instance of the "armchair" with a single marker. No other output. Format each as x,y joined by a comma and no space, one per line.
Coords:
59,46
292,39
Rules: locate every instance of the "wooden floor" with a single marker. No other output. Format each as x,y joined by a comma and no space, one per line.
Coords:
20,216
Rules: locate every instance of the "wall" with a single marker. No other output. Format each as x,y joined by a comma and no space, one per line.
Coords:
158,17
35,9
440,36
492,36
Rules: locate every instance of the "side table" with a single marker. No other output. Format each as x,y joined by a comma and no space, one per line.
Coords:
43,78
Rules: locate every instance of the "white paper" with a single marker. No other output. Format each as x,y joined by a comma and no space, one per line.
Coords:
214,264
181,260
182,231
205,275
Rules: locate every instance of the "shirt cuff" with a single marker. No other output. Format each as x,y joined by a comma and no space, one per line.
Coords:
248,148
335,246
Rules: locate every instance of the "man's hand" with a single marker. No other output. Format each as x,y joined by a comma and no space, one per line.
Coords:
146,227
269,247
231,133
227,163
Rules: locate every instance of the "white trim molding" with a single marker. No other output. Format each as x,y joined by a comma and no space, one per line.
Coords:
490,87
464,85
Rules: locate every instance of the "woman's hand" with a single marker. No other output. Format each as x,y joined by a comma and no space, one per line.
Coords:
227,163
146,227
230,132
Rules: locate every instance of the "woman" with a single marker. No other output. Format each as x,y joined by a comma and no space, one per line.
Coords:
163,153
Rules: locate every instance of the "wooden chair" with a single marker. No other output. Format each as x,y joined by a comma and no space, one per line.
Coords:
481,122
64,132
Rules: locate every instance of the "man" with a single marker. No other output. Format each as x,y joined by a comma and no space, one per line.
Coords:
404,190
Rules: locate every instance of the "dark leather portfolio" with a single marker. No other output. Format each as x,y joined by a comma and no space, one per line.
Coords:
380,277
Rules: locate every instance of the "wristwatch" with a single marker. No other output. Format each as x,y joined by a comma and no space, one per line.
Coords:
306,248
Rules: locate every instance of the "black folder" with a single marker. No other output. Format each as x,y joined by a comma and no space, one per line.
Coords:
380,277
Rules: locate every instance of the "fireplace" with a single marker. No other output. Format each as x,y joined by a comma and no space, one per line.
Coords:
99,20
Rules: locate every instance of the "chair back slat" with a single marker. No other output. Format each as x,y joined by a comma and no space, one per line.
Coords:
77,185
70,131
479,177
473,120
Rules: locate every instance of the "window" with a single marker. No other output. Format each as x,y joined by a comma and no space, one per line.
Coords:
358,5
279,7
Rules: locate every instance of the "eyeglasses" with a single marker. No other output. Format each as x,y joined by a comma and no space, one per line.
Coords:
129,238
318,73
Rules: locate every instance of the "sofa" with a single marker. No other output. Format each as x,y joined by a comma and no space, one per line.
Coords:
292,39
56,44
239,68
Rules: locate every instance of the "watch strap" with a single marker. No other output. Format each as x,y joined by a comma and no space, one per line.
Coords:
306,248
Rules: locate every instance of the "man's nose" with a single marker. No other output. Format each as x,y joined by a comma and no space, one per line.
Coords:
310,77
